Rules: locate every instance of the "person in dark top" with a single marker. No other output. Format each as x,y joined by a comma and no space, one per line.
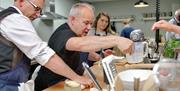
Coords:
70,39
58,42
126,31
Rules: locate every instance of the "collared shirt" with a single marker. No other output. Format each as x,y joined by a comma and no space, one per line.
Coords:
18,29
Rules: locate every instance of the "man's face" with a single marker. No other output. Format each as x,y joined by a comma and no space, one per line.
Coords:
83,22
35,8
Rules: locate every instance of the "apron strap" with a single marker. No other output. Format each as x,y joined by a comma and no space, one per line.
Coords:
7,82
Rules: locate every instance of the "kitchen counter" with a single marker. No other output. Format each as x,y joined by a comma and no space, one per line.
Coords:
98,71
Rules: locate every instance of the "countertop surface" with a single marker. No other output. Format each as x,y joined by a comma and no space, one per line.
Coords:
98,71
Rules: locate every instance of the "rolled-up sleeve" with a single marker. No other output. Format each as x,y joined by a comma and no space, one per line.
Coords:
44,55
19,30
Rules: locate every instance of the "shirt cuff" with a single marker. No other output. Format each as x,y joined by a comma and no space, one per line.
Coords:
44,56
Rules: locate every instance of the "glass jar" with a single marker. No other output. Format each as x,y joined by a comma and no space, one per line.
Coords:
167,74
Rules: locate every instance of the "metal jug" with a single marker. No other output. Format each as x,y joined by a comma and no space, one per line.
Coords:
141,47
140,51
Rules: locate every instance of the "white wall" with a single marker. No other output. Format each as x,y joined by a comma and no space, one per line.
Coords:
46,27
125,8
115,8
62,7
6,3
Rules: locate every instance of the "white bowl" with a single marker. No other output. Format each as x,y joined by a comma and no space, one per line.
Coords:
128,76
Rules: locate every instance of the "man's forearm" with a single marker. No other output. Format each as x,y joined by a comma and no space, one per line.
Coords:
57,65
175,29
91,43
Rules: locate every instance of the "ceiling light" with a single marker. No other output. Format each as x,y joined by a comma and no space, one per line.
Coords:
141,3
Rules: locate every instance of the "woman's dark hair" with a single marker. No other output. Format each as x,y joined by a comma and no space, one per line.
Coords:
98,17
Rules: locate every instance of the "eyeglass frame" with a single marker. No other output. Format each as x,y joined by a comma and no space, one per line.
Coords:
37,8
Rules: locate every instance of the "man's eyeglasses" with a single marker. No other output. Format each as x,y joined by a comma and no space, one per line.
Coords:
35,7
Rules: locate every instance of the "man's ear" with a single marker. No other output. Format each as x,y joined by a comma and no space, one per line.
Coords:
72,19
21,2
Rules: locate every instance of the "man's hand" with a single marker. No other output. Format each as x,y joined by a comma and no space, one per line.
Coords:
107,52
93,56
125,45
162,24
84,81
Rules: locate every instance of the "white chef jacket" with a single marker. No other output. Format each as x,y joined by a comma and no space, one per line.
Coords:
18,29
